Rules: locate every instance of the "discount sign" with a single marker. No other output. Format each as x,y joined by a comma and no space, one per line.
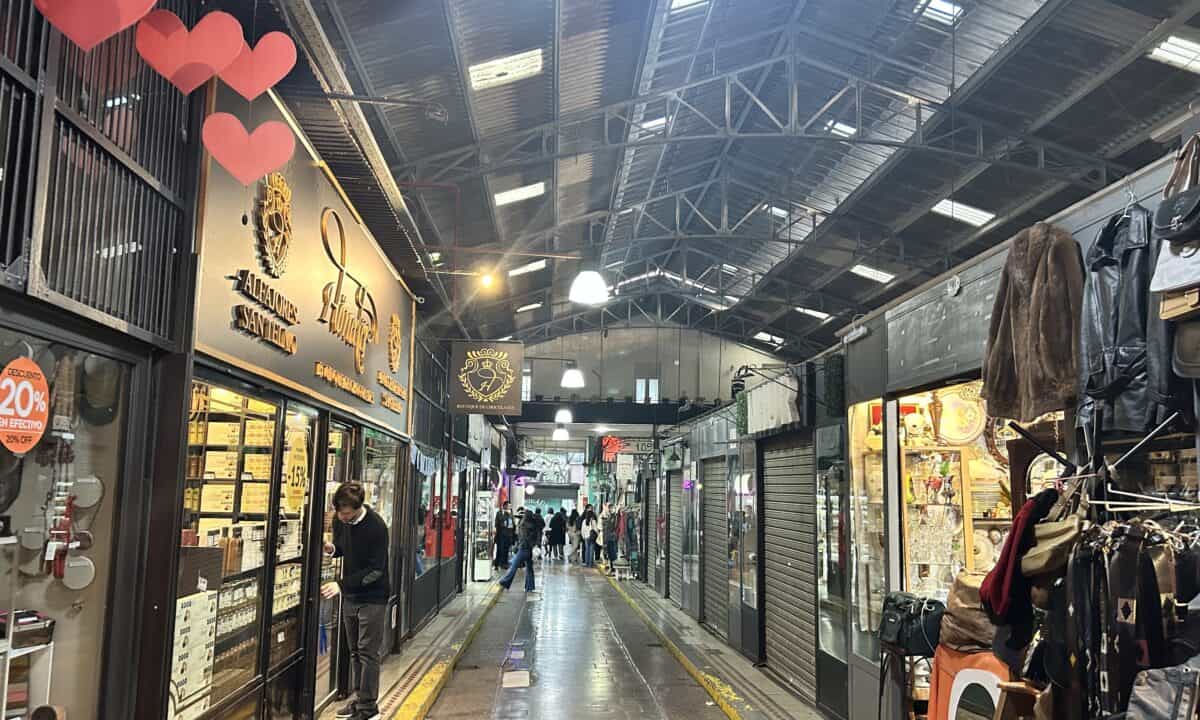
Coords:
23,405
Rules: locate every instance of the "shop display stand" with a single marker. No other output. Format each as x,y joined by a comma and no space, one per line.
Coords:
41,657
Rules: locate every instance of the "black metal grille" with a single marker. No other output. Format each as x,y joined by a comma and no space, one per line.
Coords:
110,242
20,35
16,158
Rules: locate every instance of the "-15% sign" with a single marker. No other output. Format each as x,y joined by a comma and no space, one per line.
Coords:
24,408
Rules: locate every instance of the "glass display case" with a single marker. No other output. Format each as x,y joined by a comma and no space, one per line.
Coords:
868,528
832,543
381,458
956,500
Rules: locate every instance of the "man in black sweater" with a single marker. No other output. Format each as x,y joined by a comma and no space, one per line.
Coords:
360,536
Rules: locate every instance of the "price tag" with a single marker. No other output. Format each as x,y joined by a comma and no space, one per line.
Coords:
202,583
24,405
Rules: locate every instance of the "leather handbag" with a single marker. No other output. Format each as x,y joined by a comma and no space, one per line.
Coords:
1177,221
911,625
965,624
1053,542
1185,353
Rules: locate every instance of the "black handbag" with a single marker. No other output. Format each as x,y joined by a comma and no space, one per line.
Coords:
911,625
1177,219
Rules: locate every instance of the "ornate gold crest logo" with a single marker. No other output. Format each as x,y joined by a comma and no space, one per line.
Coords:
275,224
395,343
487,375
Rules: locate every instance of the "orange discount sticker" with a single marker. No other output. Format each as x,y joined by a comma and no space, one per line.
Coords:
24,405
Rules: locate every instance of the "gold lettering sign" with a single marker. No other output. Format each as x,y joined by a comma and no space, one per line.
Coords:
257,289
357,326
486,375
251,321
391,402
390,384
395,343
342,381
275,224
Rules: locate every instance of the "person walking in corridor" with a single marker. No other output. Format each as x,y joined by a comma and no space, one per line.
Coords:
558,533
608,527
573,535
529,535
360,537
506,530
590,532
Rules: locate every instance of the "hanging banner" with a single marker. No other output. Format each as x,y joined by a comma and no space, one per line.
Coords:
626,468
485,377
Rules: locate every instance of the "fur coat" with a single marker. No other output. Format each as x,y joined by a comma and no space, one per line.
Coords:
1033,341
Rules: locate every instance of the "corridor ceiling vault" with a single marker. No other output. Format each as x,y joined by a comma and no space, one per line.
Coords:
763,170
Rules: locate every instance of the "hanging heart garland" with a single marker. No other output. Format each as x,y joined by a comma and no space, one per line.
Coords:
257,70
189,59
87,23
248,156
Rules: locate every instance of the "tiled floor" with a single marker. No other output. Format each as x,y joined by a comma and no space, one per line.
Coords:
575,649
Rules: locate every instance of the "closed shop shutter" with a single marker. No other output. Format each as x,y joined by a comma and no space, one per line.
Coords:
650,528
789,553
716,547
675,549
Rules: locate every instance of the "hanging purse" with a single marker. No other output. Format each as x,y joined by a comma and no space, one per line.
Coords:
1177,223
910,625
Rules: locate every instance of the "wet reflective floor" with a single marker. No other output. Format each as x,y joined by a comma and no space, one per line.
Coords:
574,649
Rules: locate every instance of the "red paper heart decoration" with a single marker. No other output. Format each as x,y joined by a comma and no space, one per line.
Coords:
87,23
189,59
248,156
256,71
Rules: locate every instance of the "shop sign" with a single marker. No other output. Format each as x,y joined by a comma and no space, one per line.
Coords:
293,287
484,377
626,469
24,405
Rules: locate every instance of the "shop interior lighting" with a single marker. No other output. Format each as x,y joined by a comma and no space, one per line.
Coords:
528,268
811,312
677,5
516,195
572,376
963,213
941,11
560,434
1179,52
840,129
601,429
506,338
563,416
870,273
530,306
588,288
768,338
505,70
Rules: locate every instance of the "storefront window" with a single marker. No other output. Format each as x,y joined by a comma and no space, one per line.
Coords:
832,544
869,546
329,613
223,548
379,472
956,500
58,520
427,468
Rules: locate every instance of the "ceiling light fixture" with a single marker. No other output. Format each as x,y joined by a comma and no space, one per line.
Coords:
655,124
530,306
1178,52
601,429
942,11
560,434
822,316
731,269
487,279
588,288
435,256
776,211
768,338
563,416
516,195
529,268
870,273
840,129
572,376
505,70
506,338
677,5
963,213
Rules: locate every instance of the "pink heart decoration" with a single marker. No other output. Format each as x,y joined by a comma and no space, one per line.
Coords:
248,156
189,59
87,23
256,71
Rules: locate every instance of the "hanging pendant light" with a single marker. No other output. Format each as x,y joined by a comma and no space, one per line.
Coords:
563,416
572,376
589,288
560,434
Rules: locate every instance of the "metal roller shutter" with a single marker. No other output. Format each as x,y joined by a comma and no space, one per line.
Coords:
675,548
716,547
789,552
650,527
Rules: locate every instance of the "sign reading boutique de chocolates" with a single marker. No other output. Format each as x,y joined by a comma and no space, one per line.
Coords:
294,288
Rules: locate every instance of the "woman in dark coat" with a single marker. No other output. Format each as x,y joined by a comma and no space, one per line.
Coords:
558,534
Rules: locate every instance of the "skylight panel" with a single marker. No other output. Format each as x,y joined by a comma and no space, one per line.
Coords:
505,70
1178,52
940,11
870,273
526,192
840,129
655,124
677,5
964,213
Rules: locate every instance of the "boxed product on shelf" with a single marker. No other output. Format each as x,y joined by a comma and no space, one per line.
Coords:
30,628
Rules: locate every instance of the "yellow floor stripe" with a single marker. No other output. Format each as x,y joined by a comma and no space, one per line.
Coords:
720,691
421,700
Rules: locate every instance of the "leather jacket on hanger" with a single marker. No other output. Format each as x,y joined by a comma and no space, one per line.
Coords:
1124,348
